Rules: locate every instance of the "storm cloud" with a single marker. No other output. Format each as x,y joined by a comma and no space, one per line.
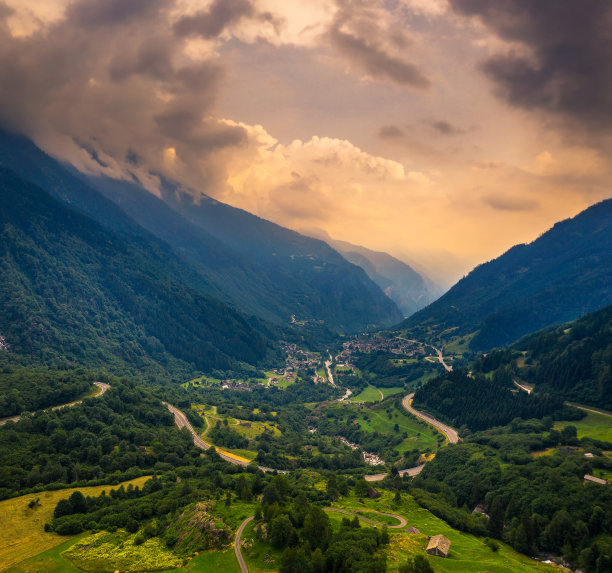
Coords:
357,33
567,67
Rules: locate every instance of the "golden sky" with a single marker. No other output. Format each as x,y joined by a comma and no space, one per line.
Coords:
441,131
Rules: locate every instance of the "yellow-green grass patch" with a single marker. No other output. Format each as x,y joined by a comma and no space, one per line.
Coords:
594,425
369,394
23,534
105,552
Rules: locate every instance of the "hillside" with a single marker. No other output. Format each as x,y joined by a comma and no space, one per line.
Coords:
564,274
573,361
72,291
409,290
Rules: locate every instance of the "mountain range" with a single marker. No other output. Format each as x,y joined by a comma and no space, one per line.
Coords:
251,264
563,275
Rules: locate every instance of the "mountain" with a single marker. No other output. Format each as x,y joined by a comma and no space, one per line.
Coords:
574,361
564,274
72,291
409,289
248,262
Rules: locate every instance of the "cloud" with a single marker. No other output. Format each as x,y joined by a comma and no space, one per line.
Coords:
367,38
390,132
507,203
446,128
211,22
564,64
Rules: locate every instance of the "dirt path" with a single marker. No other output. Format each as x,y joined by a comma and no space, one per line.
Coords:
237,550
402,520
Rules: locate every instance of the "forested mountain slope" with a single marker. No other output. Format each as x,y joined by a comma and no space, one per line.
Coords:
72,291
410,290
563,275
259,267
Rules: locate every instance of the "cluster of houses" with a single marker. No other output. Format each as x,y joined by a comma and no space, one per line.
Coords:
3,343
368,458
374,343
296,359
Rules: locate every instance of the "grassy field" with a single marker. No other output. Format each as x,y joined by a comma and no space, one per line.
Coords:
369,394
392,391
52,561
420,435
23,535
467,553
595,425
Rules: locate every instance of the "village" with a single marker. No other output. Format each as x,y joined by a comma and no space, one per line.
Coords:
376,343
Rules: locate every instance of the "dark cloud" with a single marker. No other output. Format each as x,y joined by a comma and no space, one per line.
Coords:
500,203
210,23
569,69
446,128
356,34
390,132
93,13
111,76
5,11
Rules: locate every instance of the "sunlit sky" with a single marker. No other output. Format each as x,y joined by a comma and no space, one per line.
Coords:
441,131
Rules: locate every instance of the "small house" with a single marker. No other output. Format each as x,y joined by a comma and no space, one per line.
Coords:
373,493
413,530
438,545
593,479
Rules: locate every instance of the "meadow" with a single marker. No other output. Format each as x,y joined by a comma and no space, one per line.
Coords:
22,527
594,425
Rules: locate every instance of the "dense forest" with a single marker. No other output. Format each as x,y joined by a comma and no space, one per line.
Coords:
72,291
28,389
477,402
117,435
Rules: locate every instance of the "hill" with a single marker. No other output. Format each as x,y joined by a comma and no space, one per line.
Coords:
573,361
72,291
563,275
409,290
250,263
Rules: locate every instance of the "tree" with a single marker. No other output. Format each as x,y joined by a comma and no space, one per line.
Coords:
281,531
317,528
419,564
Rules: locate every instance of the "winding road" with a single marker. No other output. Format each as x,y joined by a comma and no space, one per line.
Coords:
103,388
451,435
181,421
238,551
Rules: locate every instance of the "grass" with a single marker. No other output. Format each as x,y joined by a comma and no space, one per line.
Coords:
23,535
106,552
467,553
595,425
420,435
369,394
52,561
392,391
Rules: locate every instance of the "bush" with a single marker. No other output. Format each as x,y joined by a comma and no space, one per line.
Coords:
139,540
69,527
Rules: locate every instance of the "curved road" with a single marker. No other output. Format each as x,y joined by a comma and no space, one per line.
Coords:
451,435
103,388
245,569
181,421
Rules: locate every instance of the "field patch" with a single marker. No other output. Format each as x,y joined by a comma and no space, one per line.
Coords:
594,425
22,527
105,552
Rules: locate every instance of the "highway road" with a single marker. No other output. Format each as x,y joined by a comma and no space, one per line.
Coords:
450,433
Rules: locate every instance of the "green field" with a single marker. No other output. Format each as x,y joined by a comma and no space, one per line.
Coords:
595,425
467,553
23,535
369,394
260,557
420,435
